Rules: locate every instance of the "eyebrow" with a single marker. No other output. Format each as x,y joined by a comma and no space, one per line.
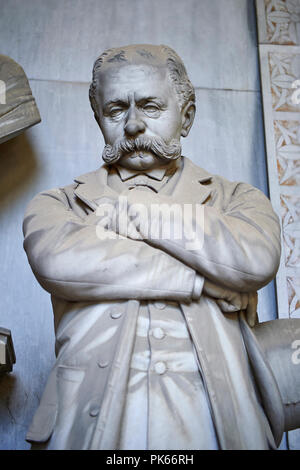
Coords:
114,102
151,98
140,101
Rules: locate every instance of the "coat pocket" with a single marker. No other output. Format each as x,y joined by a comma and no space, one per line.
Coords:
58,403
42,424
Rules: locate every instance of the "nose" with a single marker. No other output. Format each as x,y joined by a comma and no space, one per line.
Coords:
134,125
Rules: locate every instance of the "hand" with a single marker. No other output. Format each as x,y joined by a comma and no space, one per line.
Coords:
111,217
122,223
230,301
135,208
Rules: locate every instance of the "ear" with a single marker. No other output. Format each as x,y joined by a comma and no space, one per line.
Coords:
188,115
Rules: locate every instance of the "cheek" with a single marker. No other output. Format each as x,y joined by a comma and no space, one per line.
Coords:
111,131
168,127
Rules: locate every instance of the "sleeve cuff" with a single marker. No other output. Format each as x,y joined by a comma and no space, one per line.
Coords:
198,286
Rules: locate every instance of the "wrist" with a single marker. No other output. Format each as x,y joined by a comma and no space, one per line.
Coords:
198,287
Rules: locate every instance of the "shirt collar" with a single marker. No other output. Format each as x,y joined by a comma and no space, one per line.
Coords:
155,173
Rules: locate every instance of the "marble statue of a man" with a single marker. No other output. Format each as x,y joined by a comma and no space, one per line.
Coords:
153,267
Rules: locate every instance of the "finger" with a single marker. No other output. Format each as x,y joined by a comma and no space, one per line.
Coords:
236,300
132,232
251,312
227,307
212,290
244,300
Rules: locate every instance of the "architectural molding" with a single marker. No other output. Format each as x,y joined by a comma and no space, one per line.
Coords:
279,52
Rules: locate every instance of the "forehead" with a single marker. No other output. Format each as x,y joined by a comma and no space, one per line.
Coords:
139,80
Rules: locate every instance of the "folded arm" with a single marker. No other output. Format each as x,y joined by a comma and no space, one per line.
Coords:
238,248
72,260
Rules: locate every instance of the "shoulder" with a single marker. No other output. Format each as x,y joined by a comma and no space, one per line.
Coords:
52,196
225,192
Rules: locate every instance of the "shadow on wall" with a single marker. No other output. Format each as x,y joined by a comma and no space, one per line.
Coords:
7,386
18,168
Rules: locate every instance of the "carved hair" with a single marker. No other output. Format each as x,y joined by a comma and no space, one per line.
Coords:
177,72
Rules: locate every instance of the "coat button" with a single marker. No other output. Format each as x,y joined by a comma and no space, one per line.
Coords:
102,364
116,315
160,305
160,368
94,411
158,333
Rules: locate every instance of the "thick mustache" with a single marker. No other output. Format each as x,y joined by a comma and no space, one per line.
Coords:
171,151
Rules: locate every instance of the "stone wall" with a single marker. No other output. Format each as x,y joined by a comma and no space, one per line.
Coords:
56,42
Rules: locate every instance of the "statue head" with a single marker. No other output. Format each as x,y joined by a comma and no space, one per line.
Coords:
143,102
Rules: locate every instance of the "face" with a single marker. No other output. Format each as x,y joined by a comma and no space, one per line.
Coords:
138,100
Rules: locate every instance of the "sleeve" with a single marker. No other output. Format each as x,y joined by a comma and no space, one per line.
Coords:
238,248
70,260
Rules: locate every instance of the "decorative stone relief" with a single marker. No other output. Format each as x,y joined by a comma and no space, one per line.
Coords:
287,138
284,72
279,40
282,21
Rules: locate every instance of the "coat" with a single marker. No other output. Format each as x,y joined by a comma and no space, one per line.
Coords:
96,286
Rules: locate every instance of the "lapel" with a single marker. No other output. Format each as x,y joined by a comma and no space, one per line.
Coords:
93,187
190,187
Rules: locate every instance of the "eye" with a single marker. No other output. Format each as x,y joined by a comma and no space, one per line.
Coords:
151,110
115,112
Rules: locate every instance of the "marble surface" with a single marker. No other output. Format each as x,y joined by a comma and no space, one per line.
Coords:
227,137
279,52
56,43
59,40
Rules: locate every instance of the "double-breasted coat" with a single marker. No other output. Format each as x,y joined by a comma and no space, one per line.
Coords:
96,286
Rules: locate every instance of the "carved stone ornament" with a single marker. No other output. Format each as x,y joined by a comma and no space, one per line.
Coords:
282,21
279,48
18,109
